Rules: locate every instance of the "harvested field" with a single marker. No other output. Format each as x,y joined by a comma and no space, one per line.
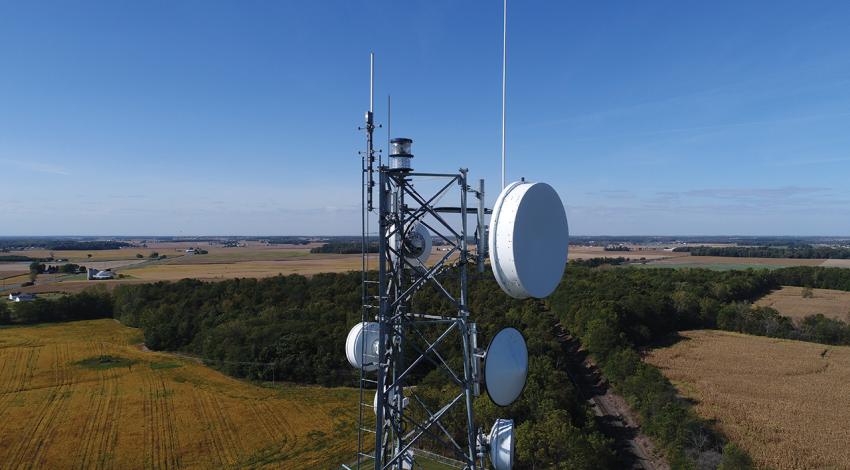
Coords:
13,268
234,255
784,401
306,265
836,263
82,394
588,252
81,256
789,301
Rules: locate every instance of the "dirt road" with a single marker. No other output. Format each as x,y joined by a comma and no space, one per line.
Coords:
618,420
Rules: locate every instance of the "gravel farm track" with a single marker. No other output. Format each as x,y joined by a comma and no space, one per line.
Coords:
618,420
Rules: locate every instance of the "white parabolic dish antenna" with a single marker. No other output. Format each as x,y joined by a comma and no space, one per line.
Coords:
416,245
502,444
363,335
506,366
390,400
529,240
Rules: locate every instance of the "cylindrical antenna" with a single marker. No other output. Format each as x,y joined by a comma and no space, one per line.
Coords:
371,82
504,82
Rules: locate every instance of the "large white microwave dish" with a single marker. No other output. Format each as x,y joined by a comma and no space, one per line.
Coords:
502,444
361,346
506,366
529,240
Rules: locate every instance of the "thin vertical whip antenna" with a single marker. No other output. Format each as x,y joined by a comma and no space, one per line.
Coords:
372,82
504,82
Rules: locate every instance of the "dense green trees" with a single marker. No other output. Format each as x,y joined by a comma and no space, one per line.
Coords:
48,243
295,323
5,314
11,258
765,321
345,248
87,305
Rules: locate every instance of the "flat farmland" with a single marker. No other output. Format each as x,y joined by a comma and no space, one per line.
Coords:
84,395
233,255
728,262
306,265
81,256
783,401
789,301
255,260
648,253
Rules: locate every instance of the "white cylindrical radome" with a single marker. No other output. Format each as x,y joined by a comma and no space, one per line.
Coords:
391,400
502,444
529,240
416,245
361,346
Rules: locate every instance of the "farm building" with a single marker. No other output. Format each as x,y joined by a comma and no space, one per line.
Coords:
18,297
97,275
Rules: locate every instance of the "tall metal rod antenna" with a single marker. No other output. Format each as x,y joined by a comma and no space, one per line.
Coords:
366,186
370,128
389,121
504,82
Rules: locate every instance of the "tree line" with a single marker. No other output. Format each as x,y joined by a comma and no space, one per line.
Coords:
7,244
791,251
345,248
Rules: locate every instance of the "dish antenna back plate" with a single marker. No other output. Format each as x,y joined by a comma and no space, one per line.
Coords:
506,366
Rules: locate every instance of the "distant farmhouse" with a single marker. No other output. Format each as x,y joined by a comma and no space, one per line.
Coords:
97,275
19,297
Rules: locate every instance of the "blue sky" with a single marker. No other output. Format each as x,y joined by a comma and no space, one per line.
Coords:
655,117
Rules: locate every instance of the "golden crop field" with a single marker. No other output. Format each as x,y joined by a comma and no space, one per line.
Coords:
306,265
84,395
783,401
789,301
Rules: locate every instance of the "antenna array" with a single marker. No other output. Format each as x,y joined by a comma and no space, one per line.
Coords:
394,341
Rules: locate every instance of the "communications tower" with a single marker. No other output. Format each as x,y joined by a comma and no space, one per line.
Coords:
422,243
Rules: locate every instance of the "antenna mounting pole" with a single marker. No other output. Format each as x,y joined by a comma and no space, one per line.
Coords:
504,82
369,166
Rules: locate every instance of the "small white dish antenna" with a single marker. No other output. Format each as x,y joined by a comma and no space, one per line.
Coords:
417,244
529,240
506,366
363,335
502,444
404,402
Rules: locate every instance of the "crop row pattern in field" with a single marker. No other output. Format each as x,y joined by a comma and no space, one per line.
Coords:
153,410
784,401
